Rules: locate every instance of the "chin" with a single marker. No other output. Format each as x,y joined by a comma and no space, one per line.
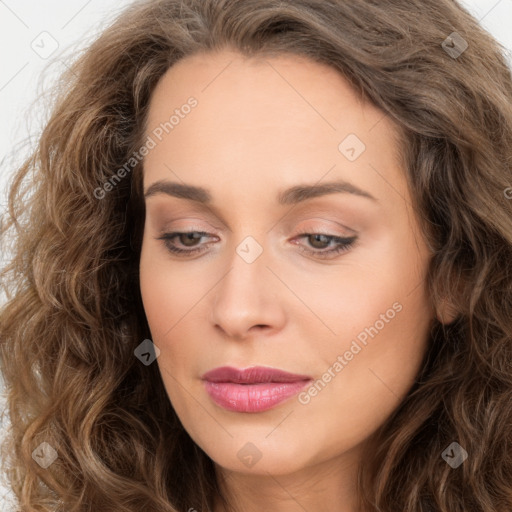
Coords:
260,457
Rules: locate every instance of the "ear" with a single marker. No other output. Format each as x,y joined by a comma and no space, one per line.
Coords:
447,312
449,307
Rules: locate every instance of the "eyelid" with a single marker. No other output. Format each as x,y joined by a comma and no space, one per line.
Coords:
305,227
206,217
303,213
166,227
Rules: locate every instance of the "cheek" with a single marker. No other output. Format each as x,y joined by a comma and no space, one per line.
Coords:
166,300
172,296
167,289
373,327
378,318
340,303
157,302
366,372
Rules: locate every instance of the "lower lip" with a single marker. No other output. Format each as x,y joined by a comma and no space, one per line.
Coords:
252,397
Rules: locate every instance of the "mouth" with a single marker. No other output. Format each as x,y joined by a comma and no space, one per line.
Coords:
254,389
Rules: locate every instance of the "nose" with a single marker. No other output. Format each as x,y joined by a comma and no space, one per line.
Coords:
248,299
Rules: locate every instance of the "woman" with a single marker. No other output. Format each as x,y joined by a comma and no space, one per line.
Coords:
263,263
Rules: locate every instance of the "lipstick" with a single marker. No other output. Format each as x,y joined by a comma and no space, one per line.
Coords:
253,389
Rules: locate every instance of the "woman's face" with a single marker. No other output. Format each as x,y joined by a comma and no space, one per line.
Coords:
293,167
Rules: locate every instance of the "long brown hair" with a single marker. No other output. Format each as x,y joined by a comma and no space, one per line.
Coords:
74,313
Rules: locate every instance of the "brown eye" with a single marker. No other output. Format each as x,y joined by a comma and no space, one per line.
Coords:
188,239
319,241
184,239
317,244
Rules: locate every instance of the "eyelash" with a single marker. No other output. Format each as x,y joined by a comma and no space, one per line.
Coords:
343,244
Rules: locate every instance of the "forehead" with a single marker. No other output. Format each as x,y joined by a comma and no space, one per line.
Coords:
284,116
293,81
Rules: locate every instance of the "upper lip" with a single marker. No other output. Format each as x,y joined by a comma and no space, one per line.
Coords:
252,375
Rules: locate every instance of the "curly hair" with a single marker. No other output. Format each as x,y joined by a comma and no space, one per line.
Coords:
74,315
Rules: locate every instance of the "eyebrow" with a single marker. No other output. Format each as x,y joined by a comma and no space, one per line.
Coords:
293,195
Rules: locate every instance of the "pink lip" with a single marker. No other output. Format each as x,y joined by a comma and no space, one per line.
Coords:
252,389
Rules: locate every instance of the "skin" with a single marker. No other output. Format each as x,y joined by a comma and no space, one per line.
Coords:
261,126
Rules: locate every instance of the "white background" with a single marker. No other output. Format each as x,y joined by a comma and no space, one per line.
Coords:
71,25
